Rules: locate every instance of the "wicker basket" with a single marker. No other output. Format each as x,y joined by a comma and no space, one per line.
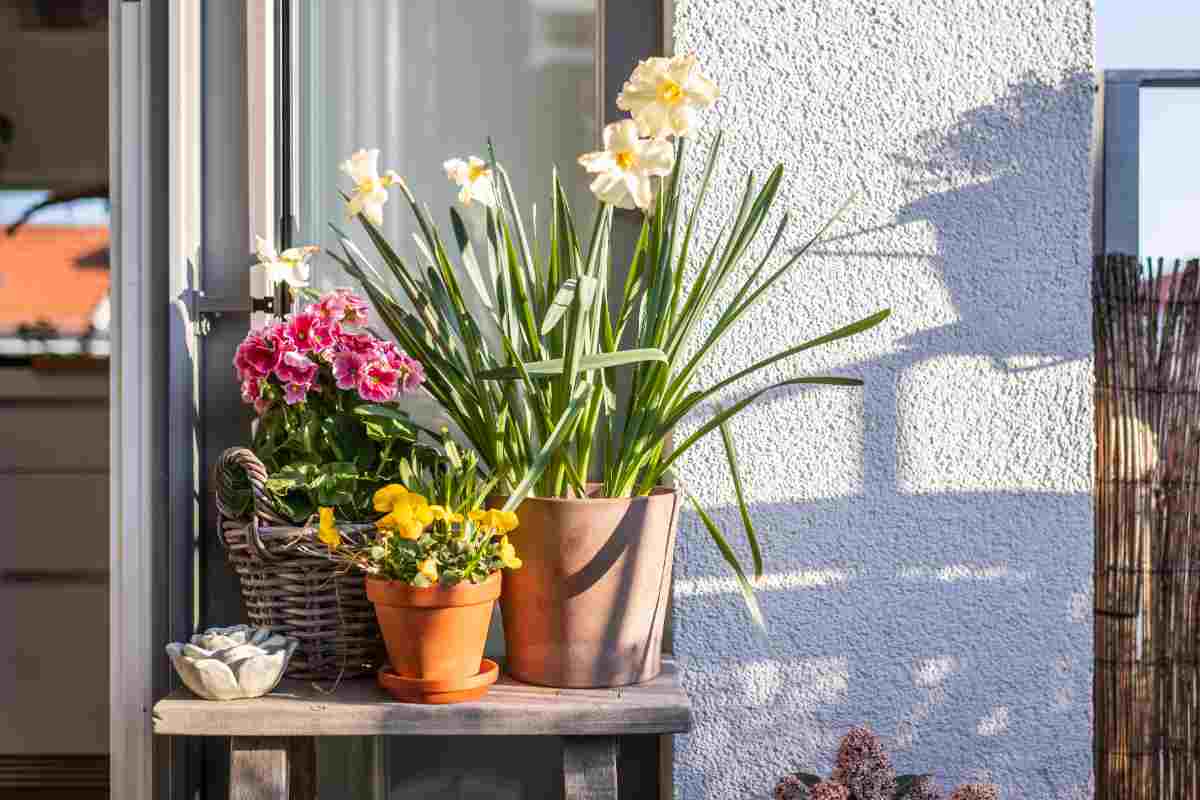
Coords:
288,589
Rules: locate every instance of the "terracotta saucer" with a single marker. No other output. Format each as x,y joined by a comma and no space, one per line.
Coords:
440,691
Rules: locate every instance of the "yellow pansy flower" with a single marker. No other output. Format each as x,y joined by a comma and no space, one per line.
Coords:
454,518
428,568
508,554
395,519
328,532
494,520
390,496
438,512
411,529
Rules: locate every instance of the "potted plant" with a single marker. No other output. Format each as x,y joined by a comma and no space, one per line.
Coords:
531,380
863,771
328,434
433,575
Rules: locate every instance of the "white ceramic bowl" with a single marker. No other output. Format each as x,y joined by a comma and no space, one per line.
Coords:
232,663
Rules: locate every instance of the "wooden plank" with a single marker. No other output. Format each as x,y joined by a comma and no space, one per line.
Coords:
589,768
302,768
360,708
258,768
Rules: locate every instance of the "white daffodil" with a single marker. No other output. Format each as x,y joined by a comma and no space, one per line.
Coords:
370,188
475,179
663,95
290,266
626,166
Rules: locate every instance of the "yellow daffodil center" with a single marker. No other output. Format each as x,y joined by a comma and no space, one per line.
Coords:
476,171
669,92
624,159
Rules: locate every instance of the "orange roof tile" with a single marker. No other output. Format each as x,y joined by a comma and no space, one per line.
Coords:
52,273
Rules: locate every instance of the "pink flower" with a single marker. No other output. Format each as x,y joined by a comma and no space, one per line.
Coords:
346,368
352,308
251,390
412,374
296,368
331,309
309,332
259,353
295,392
377,382
361,343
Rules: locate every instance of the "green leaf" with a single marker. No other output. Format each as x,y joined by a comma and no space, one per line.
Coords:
335,483
731,558
751,536
585,285
808,778
538,465
554,366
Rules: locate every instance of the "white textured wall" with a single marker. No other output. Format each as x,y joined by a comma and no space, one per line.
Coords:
929,538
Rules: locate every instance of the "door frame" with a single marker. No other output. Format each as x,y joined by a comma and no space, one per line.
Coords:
184,167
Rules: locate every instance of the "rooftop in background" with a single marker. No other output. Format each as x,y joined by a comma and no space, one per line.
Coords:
56,274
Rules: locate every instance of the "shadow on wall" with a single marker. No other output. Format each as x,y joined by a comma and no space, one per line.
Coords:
946,599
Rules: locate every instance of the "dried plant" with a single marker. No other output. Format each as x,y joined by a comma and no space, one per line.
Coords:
863,766
976,791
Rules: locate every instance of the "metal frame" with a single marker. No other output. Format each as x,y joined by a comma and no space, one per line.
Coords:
1117,189
154,186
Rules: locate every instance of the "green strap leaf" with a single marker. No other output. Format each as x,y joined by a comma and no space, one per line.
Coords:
554,366
538,465
562,300
751,536
731,558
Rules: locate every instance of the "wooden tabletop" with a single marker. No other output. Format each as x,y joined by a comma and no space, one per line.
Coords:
360,708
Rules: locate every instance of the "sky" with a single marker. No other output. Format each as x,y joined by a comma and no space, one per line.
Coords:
1165,34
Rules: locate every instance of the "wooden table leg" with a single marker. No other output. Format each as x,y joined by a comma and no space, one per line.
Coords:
590,767
272,768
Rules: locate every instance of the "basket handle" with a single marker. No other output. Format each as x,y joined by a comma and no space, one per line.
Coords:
228,466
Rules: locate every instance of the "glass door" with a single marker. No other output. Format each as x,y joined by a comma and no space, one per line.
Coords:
426,81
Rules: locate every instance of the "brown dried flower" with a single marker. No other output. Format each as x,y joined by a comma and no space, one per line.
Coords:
863,766
790,787
976,791
825,790
924,788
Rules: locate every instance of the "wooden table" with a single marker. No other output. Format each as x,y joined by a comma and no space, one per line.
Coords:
273,753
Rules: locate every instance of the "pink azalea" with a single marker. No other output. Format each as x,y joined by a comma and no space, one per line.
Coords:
346,368
259,353
295,392
377,382
309,332
296,368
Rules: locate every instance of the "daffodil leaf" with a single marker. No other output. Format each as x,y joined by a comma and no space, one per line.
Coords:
731,558
586,286
747,523
554,366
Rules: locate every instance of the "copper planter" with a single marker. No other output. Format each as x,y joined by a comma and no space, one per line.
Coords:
588,606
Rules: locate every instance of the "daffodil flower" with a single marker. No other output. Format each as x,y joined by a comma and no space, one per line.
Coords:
474,178
508,554
290,266
626,166
663,95
429,569
370,188
328,532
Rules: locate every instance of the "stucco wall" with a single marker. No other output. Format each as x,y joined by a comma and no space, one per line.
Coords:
929,537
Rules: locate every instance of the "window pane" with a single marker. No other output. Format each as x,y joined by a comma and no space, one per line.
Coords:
1169,173
429,80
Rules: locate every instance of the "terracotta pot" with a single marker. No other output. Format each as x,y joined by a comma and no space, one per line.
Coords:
434,633
588,606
